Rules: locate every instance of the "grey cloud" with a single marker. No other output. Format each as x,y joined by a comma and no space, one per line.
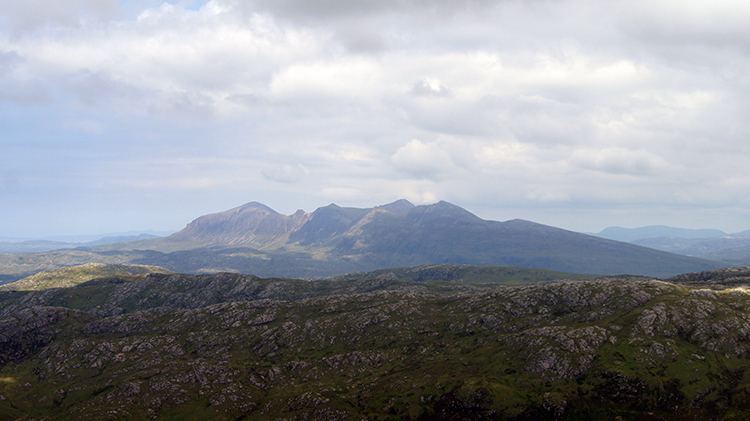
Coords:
25,15
687,23
360,40
248,100
286,173
336,9
618,161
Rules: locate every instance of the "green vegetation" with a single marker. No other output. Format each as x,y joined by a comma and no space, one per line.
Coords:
70,276
414,343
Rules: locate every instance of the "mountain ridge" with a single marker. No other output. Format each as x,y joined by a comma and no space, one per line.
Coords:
401,234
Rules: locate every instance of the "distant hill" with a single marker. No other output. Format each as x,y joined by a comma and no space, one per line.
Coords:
42,246
715,245
34,246
657,231
254,238
70,276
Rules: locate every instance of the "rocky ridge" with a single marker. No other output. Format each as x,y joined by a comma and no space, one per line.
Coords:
231,346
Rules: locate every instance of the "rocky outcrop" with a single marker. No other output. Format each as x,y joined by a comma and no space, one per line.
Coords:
231,346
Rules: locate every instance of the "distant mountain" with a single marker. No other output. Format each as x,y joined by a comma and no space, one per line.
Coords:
118,239
33,246
656,231
41,246
733,249
697,247
254,238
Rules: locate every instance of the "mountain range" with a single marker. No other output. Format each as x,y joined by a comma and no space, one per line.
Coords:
44,245
254,238
732,249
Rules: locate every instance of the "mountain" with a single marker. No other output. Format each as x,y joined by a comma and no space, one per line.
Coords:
657,231
41,246
401,234
254,238
33,246
715,245
413,343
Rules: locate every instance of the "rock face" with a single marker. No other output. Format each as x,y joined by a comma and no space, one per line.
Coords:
230,346
252,224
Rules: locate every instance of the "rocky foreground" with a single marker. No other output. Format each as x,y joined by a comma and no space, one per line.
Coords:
225,346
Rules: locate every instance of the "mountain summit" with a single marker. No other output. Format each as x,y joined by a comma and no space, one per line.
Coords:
253,224
254,238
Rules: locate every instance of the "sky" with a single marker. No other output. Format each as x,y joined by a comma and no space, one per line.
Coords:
580,114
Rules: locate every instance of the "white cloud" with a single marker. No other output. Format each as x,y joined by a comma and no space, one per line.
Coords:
348,79
422,159
429,87
512,104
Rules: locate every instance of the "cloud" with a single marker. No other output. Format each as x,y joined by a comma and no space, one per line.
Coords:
361,39
328,10
521,105
618,161
286,173
422,159
429,88
24,15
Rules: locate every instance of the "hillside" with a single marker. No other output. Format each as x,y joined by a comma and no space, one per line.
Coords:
331,240
378,346
70,276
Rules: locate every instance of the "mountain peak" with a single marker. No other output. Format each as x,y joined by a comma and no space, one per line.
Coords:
253,205
252,224
448,210
399,206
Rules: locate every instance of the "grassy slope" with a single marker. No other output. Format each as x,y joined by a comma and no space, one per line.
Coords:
70,276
